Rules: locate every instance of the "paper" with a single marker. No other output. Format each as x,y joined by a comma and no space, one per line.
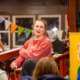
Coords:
59,34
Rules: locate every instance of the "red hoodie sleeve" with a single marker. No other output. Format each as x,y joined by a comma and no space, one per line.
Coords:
24,47
43,50
19,61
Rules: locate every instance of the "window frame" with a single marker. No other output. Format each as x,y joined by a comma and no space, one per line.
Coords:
14,21
51,16
6,31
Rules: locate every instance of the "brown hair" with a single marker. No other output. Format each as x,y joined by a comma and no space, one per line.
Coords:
45,66
45,24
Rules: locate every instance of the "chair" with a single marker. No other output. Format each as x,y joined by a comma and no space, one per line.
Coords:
17,73
27,69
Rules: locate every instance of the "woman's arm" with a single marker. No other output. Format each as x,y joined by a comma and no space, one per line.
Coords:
43,50
19,61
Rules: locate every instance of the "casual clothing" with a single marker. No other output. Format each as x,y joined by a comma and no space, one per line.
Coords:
3,75
50,77
34,49
43,77
27,78
28,67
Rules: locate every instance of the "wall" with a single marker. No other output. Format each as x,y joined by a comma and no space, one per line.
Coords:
28,7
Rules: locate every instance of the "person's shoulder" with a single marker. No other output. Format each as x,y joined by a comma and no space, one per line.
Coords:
2,71
27,78
47,39
29,39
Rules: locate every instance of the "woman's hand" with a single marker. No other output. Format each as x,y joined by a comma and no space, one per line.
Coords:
13,65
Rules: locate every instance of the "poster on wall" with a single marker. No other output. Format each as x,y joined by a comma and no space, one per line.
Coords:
74,39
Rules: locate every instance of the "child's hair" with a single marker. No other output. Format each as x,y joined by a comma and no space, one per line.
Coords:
45,66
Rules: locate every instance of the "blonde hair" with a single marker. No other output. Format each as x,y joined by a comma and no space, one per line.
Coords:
45,66
45,25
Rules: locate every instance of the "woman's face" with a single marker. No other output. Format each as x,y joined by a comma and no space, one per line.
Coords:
38,28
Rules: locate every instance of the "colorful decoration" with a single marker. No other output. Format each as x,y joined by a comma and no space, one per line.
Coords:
27,35
7,24
1,19
14,27
29,31
78,75
68,17
20,30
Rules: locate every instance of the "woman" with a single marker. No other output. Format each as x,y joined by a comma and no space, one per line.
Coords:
46,69
36,47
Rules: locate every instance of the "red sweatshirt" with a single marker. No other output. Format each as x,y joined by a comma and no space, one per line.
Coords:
34,49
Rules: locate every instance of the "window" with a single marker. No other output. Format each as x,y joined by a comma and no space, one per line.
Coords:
5,34
52,21
25,21
53,24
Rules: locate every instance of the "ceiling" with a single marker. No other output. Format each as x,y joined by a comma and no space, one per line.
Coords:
34,2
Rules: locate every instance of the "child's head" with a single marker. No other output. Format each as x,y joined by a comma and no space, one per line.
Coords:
45,66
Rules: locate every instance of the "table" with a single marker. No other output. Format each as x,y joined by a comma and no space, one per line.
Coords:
9,54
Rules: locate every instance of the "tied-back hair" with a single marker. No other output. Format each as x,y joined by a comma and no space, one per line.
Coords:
45,24
45,66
